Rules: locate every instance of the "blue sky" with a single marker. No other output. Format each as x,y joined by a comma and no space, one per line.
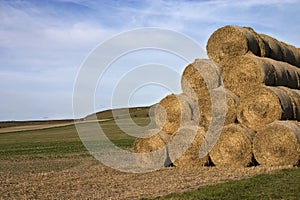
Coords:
44,43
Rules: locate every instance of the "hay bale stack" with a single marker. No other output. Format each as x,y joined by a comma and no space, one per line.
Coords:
185,147
234,147
278,144
174,111
264,105
265,75
232,41
207,112
199,78
249,71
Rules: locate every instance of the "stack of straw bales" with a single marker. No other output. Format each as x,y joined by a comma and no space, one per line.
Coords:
255,80
264,73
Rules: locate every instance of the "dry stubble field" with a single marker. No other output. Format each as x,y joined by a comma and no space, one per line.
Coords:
52,163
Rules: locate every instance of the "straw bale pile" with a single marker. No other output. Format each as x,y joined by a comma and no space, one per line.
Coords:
251,84
264,73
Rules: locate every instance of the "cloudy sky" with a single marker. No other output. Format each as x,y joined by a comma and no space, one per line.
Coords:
44,43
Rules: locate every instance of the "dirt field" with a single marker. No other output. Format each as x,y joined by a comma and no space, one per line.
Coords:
90,179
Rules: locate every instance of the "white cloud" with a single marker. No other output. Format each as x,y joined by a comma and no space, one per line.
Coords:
80,34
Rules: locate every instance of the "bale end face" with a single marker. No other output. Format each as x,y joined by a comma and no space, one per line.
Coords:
231,41
200,77
150,149
151,141
185,147
264,105
243,72
233,148
174,111
277,144
221,104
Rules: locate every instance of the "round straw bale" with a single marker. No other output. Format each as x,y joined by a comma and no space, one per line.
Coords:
174,111
277,144
296,53
241,72
264,48
185,147
264,105
151,143
199,78
207,112
295,100
274,46
231,41
152,140
281,51
288,53
286,75
234,147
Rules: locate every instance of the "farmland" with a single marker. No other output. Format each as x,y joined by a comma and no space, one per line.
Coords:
53,163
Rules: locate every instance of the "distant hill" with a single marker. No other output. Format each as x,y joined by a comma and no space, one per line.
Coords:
121,113
135,112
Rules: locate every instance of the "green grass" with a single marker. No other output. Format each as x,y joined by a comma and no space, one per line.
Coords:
55,148
45,143
58,142
284,184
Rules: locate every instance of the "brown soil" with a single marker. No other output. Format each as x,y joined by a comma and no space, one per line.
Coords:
92,180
